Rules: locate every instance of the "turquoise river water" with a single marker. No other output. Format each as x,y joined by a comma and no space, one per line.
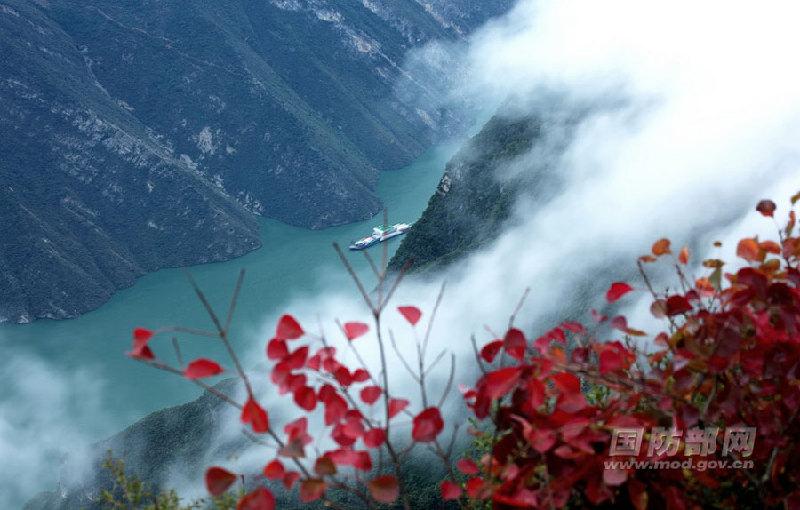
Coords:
291,264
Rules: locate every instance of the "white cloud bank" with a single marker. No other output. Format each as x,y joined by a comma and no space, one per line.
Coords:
48,418
706,124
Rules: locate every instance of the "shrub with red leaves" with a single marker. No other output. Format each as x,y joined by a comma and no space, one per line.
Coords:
549,409
728,359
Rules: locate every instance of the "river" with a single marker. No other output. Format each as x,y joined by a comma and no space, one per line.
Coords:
293,263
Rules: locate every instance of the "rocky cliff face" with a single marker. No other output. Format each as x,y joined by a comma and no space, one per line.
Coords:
90,197
511,155
472,202
138,135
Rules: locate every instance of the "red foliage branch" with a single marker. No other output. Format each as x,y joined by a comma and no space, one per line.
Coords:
728,356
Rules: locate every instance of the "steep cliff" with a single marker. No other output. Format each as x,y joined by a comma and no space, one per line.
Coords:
513,155
472,200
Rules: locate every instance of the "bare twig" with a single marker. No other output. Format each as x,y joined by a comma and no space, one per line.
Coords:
177,349
385,247
432,318
401,357
372,265
223,333
354,276
449,386
436,361
396,283
517,309
477,352
202,297
189,331
234,299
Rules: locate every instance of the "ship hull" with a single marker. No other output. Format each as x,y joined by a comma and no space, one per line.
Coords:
375,239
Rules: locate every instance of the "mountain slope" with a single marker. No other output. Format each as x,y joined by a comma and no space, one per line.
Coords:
89,197
141,135
512,155
471,202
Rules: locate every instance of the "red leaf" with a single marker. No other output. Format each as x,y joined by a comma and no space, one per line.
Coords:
514,343
572,403
542,439
620,322
293,449
450,491
677,305
298,430
537,392
324,466
353,330
290,478
766,207
140,350
345,457
288,328
335,408
617,290
574,327
277,349
311,490
373,438
259,499
475,488
384,489
467,466
201,368
218,480
396,406
371,394
490,350
142,335
556,334
661,247
305,398
256,416
144,353
566,382
411,314
749,250
683,256
361,375
611,360
314,362
427,425
498,383
297,359
343,376
274,470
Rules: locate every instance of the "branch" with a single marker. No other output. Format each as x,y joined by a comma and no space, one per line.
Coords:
354,276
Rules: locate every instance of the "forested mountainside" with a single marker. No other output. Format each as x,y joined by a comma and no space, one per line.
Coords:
476,194
140,135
